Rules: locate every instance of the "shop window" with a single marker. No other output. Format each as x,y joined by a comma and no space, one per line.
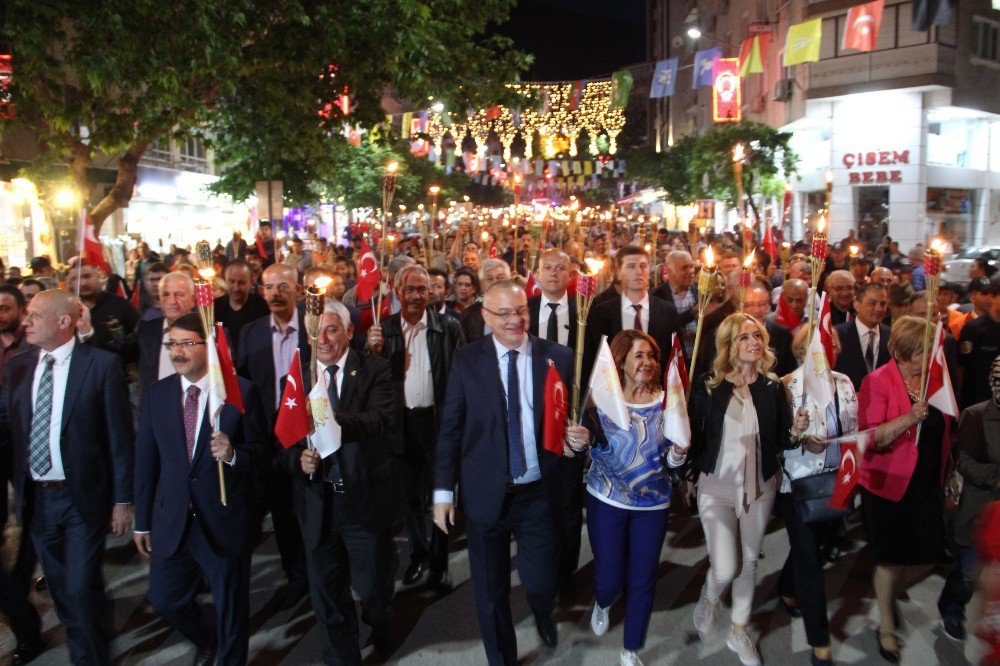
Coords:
873,214
950,214
985,39
956,141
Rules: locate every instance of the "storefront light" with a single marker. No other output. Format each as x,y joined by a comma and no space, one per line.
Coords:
65,198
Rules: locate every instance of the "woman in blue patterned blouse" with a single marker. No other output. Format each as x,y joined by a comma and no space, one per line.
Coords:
629,490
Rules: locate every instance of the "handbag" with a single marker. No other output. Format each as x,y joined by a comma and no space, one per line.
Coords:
812,493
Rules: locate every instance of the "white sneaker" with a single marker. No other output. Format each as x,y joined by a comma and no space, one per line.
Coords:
704,615
599,620
629,658
740,643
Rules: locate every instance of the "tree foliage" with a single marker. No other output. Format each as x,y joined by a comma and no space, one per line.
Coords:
95,78
701,167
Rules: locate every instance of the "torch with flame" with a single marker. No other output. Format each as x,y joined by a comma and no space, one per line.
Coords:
739,154
932,274
818,262
204,299
707,279
586,290
388,191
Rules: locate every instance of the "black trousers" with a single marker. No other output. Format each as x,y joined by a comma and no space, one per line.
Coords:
527,515
15,606
350,556
417,474
277,498
173,586
570,515
802,576
72,557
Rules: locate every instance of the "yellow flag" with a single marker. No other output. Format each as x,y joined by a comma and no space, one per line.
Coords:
802,42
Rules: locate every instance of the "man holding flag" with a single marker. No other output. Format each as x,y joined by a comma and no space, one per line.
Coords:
347,492
186,426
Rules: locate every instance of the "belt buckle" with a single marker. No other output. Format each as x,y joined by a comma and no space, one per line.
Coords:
338,487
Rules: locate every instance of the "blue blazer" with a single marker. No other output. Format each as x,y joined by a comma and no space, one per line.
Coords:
255,361
167,484
472,445
96,439
149,340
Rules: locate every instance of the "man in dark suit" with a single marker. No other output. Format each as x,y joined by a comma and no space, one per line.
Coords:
757,304
110,315
266,349
839,286
65,419
348,501
419,344
239,305
491,441
473,324
553,317
864,342
177,497
634,308
679,289
146,345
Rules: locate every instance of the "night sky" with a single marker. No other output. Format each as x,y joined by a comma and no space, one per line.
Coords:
576,39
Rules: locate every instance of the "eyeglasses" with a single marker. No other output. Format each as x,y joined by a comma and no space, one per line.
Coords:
518,313
187,344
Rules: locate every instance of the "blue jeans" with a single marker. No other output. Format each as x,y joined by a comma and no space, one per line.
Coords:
626,545
959,585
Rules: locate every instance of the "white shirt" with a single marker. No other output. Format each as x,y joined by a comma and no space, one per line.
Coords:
166,367
60,375
338,379
202,385
863,337
417,385
283,346
628,313
562,318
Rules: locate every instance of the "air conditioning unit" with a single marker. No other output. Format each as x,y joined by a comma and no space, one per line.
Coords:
783,90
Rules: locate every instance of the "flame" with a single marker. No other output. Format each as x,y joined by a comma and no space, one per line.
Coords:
854,250
821,224
937,245
322,283
485,236
517,178
738,153
649,247
709,257
207,274
392,167
435,189
594,266
788,186
748,262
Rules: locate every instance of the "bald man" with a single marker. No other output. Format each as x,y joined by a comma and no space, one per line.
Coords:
791,305
176,299
66,425
267,348
839,286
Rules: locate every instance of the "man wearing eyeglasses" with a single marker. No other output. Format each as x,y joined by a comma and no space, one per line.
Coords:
419,343
267,347
181,524
491,439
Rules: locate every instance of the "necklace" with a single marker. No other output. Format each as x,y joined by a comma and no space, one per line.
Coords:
914,396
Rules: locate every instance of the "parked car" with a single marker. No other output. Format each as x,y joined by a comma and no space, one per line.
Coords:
957,268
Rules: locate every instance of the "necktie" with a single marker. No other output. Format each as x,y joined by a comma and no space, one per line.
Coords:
191,418
331,390
870,352
638,319
553,328
39,455
515,440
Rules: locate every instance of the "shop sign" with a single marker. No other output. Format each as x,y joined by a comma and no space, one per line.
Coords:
860,175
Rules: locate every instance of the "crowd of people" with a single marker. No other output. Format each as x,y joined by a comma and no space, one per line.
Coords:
438,402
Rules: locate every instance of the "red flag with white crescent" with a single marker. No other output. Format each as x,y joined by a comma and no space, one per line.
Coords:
233,395
851,452
531,288
556,409
292,424
369,274
91,250
862,26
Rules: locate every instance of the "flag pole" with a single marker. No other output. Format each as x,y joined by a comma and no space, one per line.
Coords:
82,232
932,272
206,312
586,289
706,286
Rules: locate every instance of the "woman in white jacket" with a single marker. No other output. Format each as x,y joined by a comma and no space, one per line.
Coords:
801,584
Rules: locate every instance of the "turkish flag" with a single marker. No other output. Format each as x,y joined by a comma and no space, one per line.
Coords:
785,315
233,395
676,353
556,409
940,392
768,245
826,329
861,29
91,250
531,288
494,253
293,424
369,274
847,474
260,247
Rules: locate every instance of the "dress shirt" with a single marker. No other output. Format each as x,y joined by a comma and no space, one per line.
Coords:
683,300
60,375
283,346
526,382
339,377
562,317
863,337
417,387
628,313
166,367
202,385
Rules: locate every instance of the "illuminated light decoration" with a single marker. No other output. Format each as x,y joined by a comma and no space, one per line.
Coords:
727,98
6,76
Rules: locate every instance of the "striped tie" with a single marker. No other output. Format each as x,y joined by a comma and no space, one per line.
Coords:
39,455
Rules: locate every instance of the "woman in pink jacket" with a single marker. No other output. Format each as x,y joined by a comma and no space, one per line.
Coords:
901,474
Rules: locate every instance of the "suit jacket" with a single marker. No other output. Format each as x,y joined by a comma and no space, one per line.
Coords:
148,340
535,303
781,345
666,293
473,324
606,319
444,336
96,439
851,361
472,446
371,484
886,472
255,361
167,484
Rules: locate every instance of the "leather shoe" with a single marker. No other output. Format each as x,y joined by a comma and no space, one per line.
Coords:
41,585
440,581
206,655
415,571
25,653
547,631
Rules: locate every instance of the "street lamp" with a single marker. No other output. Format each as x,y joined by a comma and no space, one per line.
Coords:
693,32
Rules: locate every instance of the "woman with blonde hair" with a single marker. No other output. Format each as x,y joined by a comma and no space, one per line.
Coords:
902,474
740,422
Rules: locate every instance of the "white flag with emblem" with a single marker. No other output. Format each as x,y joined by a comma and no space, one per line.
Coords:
326,435
606,387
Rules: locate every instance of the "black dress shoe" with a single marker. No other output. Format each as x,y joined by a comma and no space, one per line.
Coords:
817,661
793,611
25,653
40,584
206,655
415,571
440,581
891,656
547,631
384,640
